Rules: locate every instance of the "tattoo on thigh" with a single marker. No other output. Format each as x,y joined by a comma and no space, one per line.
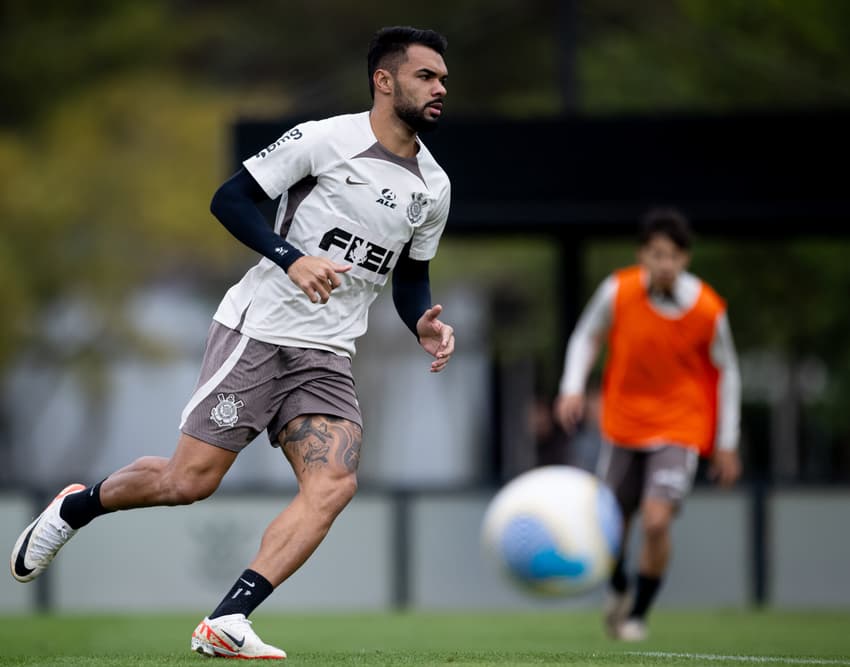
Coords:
350,438
318,438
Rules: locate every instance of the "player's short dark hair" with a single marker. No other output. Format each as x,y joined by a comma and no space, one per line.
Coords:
669,222
388,48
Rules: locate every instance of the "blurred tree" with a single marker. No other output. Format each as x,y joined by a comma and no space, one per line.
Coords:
113,135
52,50
721,55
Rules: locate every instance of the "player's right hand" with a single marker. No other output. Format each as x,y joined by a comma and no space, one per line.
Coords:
725,467
569,410
316,276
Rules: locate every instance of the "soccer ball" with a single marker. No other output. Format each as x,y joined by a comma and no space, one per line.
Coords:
554,530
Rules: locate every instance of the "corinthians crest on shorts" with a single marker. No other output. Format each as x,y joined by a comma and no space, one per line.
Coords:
226,413
416,207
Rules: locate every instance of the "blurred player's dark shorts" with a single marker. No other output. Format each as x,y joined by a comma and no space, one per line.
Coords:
666,472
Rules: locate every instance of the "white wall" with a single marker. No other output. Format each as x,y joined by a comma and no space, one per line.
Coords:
186,558
809,547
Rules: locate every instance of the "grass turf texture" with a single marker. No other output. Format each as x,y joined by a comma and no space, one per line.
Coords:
689,639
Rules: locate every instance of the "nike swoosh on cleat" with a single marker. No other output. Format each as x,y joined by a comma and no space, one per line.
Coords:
351,181
239,643
21,569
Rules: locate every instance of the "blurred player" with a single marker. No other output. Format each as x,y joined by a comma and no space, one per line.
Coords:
361,196
671,393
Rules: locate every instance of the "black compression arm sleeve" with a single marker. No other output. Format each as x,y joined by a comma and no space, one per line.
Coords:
411,290
235,205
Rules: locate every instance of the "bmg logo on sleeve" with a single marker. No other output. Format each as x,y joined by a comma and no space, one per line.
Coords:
293,135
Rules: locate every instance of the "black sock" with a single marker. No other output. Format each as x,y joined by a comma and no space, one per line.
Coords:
619,581
647,589
80,508
245,596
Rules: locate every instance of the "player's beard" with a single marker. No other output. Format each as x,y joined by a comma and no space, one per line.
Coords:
413,116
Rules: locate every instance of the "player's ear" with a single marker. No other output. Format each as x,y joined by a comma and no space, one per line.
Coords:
383,81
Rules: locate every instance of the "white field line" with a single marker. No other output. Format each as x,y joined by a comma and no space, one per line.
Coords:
759,659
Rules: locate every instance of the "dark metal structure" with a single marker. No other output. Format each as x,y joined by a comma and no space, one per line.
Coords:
759,174
744,174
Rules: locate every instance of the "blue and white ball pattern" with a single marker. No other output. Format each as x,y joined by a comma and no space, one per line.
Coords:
554,530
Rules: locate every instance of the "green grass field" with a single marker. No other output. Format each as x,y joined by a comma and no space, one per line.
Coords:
717,638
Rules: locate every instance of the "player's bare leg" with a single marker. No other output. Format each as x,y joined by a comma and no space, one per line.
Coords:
192,473
618,597
324,453
657,518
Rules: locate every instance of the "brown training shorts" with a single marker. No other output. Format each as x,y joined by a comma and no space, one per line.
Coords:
665,472
246,385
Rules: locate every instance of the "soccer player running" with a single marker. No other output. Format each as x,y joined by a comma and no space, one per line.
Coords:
671,393
361,197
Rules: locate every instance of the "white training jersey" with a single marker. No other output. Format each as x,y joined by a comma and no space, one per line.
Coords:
346,197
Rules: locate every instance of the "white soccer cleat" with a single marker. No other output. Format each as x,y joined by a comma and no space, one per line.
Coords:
231,636
615,611
632,630
41,540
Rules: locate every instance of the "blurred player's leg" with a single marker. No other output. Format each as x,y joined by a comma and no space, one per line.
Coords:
623,471
657,518
632,630
669,477
618,600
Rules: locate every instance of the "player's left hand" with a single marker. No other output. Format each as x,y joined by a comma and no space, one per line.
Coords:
725,467
437,338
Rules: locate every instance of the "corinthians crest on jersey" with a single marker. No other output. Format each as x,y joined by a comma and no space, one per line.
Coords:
416,208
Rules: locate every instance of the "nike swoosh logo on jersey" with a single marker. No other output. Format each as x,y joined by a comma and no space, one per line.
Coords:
239,642
247,583
20,567
351,181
